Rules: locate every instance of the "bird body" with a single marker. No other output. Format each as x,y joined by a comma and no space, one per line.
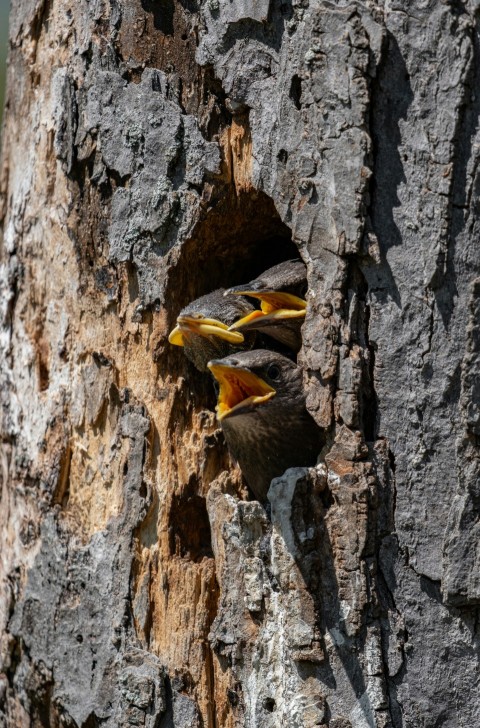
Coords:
203,327
261,409
281,291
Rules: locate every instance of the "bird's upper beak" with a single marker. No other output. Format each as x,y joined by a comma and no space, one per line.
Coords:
239,388
201,326
274,305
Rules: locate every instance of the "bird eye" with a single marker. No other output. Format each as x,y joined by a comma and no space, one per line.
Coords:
273,372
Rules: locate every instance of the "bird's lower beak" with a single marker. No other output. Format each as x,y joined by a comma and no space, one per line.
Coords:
274,305
239,388
187,325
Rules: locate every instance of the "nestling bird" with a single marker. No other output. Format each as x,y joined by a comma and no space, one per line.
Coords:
281,291
203,327
261,409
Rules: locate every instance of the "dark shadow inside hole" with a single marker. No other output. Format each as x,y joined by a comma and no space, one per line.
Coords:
235,242
296,91
269,705
163,12
189,527
43,370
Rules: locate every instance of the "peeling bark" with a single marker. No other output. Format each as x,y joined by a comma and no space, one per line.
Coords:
152,152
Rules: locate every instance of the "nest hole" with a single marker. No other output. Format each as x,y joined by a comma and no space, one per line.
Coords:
237,240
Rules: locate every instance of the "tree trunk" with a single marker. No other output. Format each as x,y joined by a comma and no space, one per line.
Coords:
154,150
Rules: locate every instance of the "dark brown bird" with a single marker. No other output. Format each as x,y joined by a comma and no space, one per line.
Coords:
203,327
281,291
261,409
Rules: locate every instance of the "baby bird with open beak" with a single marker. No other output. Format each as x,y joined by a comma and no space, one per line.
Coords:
203,327
281,291
261,409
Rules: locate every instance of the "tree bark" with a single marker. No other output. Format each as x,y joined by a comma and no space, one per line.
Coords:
154,151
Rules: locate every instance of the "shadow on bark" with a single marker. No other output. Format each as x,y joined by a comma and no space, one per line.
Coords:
391,97
319,571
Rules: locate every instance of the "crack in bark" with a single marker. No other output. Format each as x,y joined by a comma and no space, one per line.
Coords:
459,192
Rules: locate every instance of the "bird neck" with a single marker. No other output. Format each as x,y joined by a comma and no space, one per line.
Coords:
266,444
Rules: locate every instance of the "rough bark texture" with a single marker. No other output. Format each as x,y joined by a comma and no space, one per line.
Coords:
152,151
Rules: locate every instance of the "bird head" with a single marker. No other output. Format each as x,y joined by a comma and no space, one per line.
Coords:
262,412
202,327
250,381
278,291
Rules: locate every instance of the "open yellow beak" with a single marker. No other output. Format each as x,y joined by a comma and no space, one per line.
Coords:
238,388
275,305
200,326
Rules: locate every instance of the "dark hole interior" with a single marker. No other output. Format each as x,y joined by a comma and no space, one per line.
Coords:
233,244
163,12
296,91
189,527
269,705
